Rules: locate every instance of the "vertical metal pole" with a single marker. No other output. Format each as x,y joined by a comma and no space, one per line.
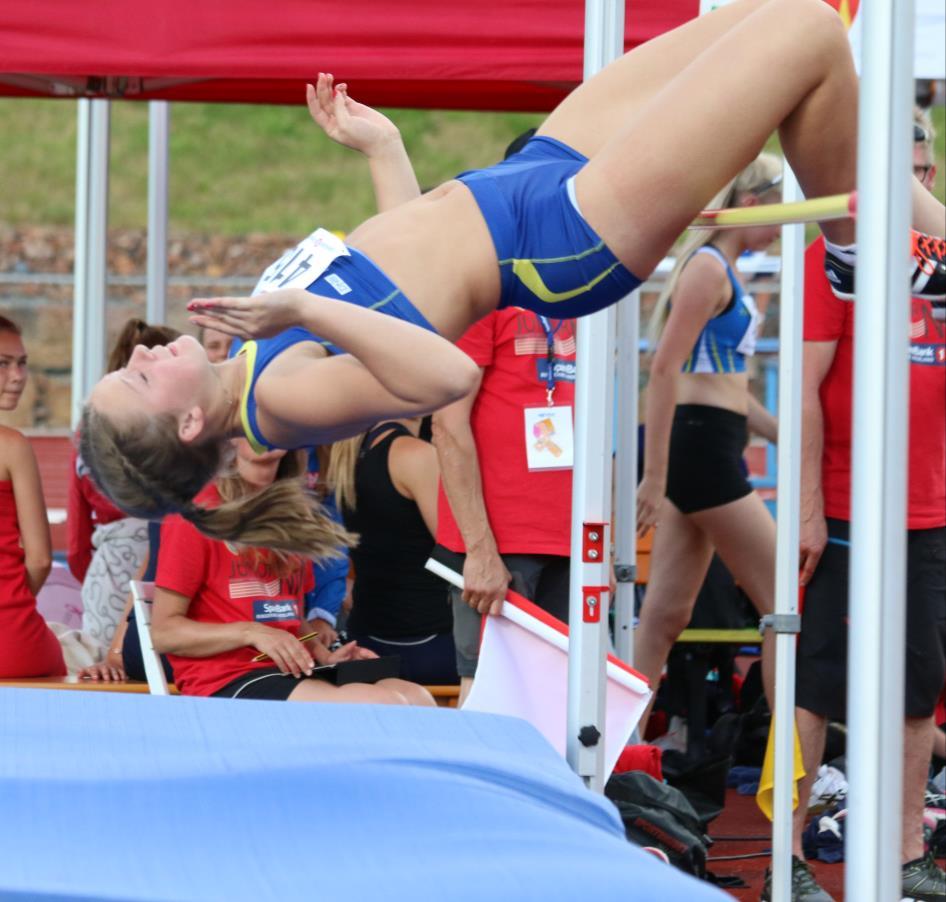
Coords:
88,311
158,121
591,485
625,469
786,554
878,505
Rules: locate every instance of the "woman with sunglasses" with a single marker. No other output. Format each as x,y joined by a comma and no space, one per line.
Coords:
569,225
699,415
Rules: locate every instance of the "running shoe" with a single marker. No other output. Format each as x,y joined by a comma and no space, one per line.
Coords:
928,279
923,881
929,267
804,886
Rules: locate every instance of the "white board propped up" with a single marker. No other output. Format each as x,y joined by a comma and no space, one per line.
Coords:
523,672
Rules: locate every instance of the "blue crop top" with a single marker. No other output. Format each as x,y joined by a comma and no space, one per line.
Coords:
729,337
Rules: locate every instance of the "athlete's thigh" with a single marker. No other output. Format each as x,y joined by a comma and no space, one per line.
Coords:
595,111
664,163
743,533
678,563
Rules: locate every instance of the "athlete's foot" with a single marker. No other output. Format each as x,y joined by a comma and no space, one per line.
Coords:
927,279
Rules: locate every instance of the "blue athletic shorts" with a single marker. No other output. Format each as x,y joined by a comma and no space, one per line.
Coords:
358,280
551,261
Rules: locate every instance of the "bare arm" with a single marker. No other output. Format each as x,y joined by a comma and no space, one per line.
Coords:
761,420
361,128
817,357
172,631
30,508
396,369
415,473
699,293
485,577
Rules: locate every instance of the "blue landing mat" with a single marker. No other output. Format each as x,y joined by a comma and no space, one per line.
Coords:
108,796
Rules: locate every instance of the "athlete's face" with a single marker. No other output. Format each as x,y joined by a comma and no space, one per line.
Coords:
760,238
164,379
13,371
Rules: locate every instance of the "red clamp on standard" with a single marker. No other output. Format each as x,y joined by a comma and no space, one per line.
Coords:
593,599
592,543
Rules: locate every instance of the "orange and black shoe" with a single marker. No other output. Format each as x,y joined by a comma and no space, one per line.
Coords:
927,279
929,268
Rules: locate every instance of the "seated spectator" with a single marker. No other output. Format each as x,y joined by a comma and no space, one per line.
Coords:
218,609
28,647
106,548
385,483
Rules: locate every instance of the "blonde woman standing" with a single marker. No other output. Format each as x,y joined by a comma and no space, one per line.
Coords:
699,413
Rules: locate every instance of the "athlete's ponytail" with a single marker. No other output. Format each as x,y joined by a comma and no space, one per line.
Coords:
147,471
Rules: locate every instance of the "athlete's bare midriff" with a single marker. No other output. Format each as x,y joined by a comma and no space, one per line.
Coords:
726,390
438,251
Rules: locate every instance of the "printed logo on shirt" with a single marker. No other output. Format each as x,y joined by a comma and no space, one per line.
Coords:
531,341
270,611
928,355
563,370
249,587
338,283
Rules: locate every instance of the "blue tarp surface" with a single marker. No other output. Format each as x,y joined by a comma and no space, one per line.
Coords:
112,796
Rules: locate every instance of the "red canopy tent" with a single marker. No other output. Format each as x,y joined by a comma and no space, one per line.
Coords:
494,54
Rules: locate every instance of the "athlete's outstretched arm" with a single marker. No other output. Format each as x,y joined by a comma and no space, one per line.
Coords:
361,128
392,368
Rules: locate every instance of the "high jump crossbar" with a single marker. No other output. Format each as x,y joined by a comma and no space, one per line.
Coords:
818,209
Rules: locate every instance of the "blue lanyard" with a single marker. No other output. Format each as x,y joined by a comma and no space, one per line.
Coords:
550,356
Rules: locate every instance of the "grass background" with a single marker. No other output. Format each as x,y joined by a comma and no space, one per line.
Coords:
237,169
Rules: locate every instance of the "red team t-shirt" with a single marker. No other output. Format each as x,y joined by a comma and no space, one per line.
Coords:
223,588
829,319
529,512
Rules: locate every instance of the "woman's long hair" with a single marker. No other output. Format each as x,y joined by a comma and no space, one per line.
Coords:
340,470
762,175
147,471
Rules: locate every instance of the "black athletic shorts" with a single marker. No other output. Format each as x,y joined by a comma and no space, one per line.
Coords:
821,681
268,683
705,467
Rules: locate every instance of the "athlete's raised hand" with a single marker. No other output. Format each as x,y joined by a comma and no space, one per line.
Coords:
346,121
259,316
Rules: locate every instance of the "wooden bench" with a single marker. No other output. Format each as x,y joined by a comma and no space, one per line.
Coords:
445,696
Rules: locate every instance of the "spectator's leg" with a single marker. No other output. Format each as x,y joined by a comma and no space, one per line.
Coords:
678,564
917,748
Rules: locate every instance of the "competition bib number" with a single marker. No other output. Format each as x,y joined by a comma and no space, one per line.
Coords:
301,265
550,439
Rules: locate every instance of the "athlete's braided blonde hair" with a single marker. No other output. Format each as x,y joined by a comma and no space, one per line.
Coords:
147,471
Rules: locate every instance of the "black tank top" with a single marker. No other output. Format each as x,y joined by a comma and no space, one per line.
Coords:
394,596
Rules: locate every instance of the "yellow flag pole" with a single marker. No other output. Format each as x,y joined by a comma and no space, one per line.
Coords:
818,209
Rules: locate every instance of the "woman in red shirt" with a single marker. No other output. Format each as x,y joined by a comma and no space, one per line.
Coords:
27,646
217,609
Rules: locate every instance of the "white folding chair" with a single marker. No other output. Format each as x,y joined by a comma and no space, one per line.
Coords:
142,595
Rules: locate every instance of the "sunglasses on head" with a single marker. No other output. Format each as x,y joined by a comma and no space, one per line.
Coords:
767,186
920,134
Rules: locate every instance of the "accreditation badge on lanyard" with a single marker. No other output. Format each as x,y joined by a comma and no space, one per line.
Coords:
550,435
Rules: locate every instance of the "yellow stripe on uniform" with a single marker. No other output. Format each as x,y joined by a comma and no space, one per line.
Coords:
249,351
525,271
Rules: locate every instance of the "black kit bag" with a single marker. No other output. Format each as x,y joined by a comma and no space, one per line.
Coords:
659,816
